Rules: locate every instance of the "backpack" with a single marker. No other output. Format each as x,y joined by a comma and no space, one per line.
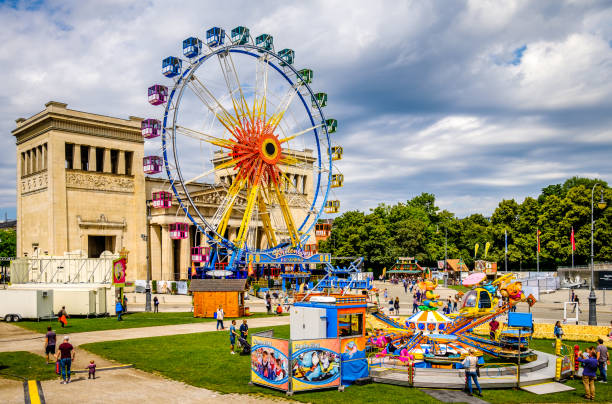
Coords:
215,315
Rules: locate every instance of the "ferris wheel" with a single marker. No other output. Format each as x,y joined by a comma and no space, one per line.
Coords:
245,144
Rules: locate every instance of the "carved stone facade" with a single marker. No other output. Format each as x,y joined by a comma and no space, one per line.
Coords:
34,183
99,182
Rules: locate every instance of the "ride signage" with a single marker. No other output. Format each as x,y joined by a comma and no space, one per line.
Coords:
291,256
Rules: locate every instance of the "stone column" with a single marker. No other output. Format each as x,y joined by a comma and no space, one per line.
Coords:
167,261
185,258
156,252
44,156
92,158
29,162
76,157
121,163
107,161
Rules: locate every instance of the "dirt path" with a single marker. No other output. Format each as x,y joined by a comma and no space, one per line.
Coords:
13,338
123,385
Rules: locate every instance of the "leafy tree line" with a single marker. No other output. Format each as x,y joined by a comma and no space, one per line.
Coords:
417,228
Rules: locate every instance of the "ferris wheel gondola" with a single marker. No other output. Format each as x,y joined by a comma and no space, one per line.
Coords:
251,125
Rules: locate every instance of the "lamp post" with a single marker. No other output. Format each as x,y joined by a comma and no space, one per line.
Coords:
592,297
148,241
445,257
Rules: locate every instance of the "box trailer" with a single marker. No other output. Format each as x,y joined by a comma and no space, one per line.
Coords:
17,304
78,302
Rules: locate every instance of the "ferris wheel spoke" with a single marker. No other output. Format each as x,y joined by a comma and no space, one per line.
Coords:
260,102
213,105
225,143
265,218
284,104
300,133
286,212
248,212
223,214
221,166
241,107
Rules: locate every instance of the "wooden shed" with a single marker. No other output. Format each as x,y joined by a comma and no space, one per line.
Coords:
208,294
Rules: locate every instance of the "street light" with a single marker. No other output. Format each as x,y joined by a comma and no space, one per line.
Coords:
592,297
147,238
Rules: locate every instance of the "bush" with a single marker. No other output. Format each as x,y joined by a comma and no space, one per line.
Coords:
154,286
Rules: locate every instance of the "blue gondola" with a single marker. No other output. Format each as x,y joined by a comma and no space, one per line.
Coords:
287,55
240,35
264,41
215,37
192,47
171,66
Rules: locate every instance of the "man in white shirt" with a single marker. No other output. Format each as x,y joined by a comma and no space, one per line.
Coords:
219,318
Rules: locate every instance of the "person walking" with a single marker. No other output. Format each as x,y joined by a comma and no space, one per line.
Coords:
232,335
385,294
603,360
119,309
124,304
155,305
415,304
62,316
219,317
455,303
396,305
244,329
65,355
589,373
92,370
558,330
50,338
470,364
405,286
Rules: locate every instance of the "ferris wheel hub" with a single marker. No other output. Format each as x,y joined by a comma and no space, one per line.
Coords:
270,149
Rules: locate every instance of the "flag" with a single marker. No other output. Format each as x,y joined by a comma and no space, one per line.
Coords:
506,240
487,246
573,240
538,236
476,249
384,272
193,270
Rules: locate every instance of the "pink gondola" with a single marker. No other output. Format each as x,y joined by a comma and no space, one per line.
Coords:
152,164
162,199
179,230
199,254
150,128
158,94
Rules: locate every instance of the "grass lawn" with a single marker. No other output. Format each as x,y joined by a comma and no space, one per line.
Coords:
459,288
204,360
133,320
26,365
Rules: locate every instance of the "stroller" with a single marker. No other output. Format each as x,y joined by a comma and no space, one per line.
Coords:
245,346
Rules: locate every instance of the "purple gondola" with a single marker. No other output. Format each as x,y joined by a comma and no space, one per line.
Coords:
178,231
152,164
158,94
199,254
162,200
150,128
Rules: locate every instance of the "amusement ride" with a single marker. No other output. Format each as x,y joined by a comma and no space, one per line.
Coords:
239,115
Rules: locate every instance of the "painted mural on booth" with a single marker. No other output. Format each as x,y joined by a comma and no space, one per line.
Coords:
270,362
315,364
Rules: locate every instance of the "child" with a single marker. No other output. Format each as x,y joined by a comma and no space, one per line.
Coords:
92,370
279,309
232,336
558,330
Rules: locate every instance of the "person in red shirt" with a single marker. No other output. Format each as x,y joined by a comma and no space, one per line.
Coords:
65,356
493,326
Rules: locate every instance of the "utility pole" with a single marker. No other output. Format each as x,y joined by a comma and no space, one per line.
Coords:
148,241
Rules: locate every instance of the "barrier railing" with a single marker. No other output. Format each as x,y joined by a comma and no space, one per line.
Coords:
490,369
407,364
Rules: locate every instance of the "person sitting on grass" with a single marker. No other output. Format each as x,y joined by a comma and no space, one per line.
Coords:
232,335
589,373
279,309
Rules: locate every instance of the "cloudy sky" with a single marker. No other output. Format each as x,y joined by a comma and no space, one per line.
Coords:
474,101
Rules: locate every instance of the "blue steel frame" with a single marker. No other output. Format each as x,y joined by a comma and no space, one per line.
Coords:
180,86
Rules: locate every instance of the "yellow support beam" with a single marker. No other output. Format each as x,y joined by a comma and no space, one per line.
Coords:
295,238
232,192
265,219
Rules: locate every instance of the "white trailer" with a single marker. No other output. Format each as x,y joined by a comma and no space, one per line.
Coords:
16,304
79,299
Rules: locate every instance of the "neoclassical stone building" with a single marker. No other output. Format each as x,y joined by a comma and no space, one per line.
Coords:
81,187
